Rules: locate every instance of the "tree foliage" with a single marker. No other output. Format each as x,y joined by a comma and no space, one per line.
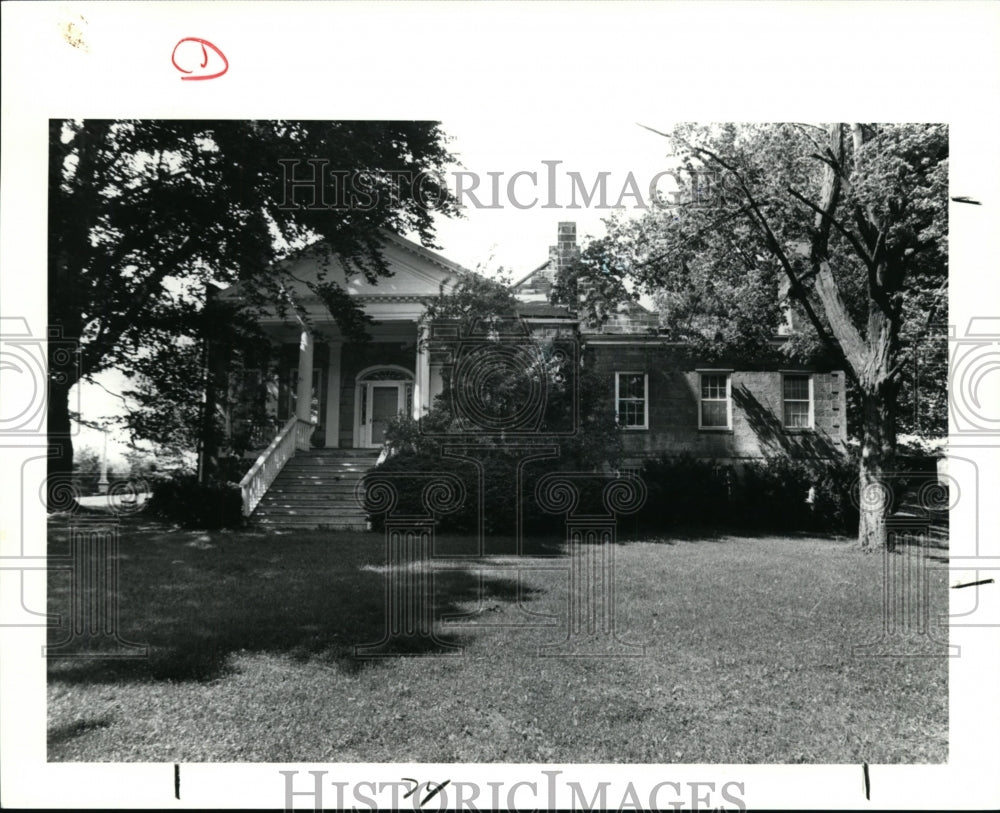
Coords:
511,367
512,364
144,214
597,281
88,460
849,222
474,297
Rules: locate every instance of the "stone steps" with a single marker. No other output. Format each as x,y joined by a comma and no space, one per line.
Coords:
314,493
316,489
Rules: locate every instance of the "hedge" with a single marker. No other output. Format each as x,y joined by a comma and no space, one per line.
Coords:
182,499
776,494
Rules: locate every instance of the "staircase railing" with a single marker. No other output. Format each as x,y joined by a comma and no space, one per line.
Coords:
295,434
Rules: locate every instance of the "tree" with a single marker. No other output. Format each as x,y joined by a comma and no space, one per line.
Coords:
509,390
848,221
143,215
88,460
574,397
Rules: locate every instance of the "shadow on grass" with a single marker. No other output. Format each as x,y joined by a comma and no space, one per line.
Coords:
198,598
694,534
65,733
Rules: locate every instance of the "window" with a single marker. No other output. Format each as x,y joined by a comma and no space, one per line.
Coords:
630,400
797,401
714,409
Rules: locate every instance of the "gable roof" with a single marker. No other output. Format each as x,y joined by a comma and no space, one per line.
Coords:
415,271
531,274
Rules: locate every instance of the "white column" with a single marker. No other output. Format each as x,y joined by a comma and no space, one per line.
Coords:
333,397
102,484
303,397
422,377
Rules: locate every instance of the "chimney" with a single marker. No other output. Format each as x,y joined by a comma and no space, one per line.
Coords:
565,252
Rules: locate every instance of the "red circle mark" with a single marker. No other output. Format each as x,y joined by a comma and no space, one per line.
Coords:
204,61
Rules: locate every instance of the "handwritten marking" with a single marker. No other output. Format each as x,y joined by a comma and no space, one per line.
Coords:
177,781
972,584
434,789
205,45
868,782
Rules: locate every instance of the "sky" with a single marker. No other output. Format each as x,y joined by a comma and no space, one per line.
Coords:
508,230
517,239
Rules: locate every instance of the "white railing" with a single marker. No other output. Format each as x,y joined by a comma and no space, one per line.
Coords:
293,435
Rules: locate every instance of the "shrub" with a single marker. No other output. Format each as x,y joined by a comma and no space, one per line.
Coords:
499,498
773,495
834,508
777,494
682,491
418,446
402,470
182,499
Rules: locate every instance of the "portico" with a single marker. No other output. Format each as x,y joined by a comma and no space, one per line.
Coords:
349,390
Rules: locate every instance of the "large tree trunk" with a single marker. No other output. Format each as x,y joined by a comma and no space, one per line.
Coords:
870,360
60,495
875,494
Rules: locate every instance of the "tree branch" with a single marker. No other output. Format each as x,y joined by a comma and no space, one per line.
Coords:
855,244
796,289
112,329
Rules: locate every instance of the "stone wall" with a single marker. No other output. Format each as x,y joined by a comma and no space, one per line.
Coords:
756,406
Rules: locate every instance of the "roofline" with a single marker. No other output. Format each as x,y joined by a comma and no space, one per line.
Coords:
415,248
639,338
388,237
530,274
627,338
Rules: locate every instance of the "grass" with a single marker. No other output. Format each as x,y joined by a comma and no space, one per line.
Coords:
748,658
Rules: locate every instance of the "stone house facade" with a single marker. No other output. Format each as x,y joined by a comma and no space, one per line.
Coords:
326,394
670,402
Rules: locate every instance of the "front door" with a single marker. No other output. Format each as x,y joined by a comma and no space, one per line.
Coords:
385,405
380,399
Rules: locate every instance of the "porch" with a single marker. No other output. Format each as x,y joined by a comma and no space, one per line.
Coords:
319,390
347,391
322,394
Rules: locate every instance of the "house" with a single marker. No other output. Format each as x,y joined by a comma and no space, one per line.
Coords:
669,401
328,424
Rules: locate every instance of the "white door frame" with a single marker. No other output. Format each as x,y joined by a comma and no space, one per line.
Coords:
363,395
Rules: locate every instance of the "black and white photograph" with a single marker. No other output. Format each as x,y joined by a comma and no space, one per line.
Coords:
420,449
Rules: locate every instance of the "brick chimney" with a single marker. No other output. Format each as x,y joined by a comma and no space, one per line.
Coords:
539,284
565,250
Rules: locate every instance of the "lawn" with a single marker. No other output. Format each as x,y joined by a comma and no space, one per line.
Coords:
748,657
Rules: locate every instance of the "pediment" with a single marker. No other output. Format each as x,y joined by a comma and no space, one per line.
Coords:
415,271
